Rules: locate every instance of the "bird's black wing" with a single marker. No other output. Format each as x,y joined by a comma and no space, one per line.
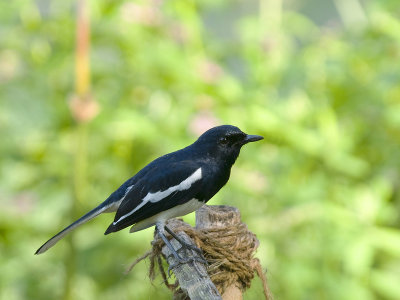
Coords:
161,188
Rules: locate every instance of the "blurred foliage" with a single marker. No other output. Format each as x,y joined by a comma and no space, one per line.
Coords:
319,79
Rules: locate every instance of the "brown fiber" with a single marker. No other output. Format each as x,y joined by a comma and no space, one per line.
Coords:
229,251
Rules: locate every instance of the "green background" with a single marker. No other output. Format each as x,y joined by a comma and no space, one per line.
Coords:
320,80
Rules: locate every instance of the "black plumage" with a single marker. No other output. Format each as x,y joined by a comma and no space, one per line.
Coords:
172,185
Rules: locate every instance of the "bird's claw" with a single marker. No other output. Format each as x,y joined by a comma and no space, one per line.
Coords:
195,249
186,246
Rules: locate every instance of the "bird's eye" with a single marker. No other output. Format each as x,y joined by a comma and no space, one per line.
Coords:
223,140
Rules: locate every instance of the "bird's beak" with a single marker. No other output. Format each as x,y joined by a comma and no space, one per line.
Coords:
252,138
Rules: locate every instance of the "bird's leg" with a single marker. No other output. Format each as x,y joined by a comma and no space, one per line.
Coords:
186,246
160,230
178,258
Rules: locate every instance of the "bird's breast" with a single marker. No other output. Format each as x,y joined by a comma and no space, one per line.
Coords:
214,178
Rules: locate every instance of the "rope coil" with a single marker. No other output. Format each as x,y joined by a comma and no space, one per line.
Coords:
229,250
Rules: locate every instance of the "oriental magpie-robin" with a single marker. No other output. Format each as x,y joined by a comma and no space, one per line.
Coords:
170,186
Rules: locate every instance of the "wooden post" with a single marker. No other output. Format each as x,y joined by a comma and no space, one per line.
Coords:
192,276
220,216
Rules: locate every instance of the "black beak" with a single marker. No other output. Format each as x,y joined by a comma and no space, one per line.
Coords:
252,138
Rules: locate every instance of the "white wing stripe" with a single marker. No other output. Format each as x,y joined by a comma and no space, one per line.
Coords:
157,196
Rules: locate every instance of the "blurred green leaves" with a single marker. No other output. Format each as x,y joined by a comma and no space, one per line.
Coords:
321,193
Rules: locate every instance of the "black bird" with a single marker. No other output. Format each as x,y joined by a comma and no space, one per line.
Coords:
172,185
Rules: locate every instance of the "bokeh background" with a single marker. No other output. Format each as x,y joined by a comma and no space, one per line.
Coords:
320,79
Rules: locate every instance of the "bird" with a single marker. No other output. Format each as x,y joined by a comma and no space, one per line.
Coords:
170,186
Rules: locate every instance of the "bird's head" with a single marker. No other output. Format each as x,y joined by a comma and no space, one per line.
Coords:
225,141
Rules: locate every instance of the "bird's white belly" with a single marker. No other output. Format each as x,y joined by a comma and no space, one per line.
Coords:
176,211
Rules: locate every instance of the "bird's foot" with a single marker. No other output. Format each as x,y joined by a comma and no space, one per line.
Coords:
187,246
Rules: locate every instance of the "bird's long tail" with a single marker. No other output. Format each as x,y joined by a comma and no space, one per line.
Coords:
104,207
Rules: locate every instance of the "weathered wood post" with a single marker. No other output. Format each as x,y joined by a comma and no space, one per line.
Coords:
192,276
228,246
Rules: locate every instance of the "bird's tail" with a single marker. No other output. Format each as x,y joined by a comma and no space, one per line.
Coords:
82,220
